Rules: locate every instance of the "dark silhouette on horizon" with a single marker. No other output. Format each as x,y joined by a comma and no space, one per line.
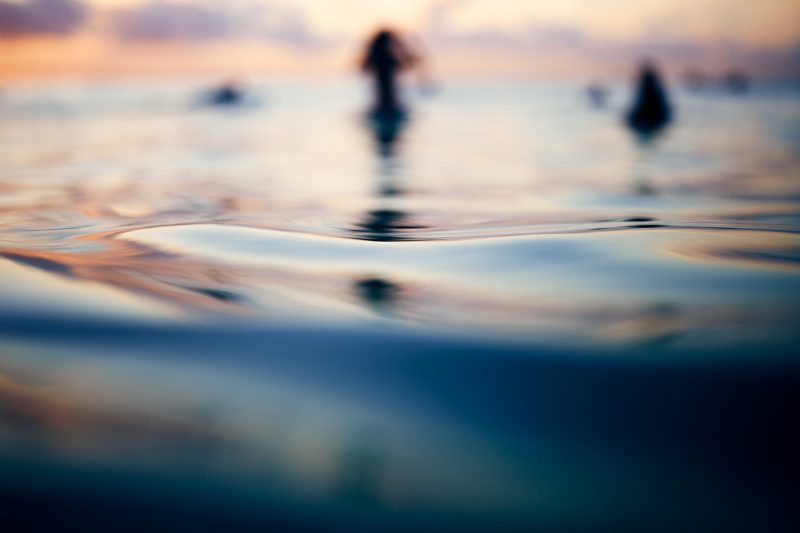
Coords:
737,81
651,111
385,58
229,93
598,95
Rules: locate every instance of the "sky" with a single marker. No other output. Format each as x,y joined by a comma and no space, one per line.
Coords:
64,36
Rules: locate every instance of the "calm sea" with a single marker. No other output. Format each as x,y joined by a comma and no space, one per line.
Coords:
503,313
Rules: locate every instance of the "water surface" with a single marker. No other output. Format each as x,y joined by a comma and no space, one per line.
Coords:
503,313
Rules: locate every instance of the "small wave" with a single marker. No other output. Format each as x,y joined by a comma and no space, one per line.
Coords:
516,229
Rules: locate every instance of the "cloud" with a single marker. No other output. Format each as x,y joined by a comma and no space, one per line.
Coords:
440,30
438,18
169,20
562,48
287,24
54,17
558,37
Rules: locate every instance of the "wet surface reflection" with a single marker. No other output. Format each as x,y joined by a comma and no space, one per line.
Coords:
387,130
378,294
385,225
286,318
324,429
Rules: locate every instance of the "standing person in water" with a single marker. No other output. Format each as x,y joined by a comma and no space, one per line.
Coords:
385,58
651,111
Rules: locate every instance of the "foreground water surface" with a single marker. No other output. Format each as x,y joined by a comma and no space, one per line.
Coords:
503,313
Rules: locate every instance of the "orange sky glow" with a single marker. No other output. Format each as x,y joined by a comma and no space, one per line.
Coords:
321,36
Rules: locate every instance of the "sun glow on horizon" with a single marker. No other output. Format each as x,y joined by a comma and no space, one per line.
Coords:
322,35
767,23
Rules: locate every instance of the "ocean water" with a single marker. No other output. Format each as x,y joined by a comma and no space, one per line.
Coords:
504,313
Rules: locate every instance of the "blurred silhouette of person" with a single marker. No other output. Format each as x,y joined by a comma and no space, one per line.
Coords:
651,111
737,81
386,57
229,94
598,95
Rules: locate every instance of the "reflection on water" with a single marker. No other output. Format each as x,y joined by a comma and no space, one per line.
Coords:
380,295
383,225
327,428
386,224
648,117
387,129
361,467
500,315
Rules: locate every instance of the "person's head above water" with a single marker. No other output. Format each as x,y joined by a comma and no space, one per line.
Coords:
387,51
383,39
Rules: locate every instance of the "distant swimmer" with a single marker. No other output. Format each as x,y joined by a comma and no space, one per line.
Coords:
737,81
385,58
598,95
651,111
230,93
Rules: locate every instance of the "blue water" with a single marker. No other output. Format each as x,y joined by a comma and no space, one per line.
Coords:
503,314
